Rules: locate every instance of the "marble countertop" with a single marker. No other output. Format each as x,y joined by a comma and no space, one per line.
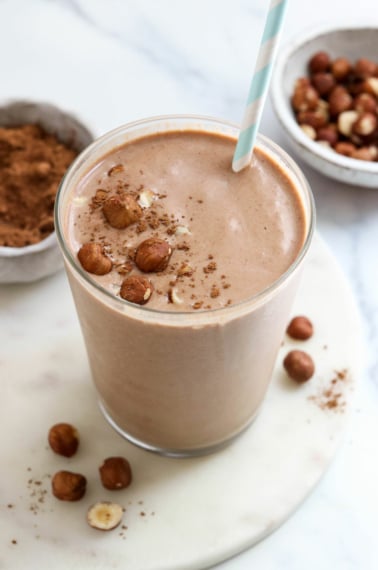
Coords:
112,62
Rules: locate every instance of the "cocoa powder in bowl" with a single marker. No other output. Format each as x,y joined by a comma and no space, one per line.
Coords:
32,163
29,180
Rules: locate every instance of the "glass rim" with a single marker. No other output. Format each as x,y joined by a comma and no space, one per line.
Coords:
206,314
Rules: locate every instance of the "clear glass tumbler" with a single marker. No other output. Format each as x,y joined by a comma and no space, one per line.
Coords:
180,384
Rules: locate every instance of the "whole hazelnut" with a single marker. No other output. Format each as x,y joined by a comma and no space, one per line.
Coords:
64,439
365,68
340,68
121,211
136,289
320,61
152,255
328,133
367,153
300,328
345,122
93,259
339,100
315,119
115,473
68,486
305,97
370,85
323,82
345,148
299,365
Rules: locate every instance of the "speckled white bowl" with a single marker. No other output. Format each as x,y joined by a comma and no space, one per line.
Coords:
351,42
32,262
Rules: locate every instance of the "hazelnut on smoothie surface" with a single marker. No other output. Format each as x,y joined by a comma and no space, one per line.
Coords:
161,222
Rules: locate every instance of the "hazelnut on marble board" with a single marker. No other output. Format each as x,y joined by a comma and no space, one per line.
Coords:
115,473
300,328
63,438
68,486
104,515
299,366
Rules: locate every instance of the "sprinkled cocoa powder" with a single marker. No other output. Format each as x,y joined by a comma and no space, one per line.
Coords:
331,396
32,163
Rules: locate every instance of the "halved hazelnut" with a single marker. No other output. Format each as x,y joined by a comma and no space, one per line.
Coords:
93,259
174,296
68,486
63,439
136,289
104,515
153,255
115,473
121,211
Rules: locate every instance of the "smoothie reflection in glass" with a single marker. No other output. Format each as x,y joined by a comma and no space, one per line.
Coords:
184,368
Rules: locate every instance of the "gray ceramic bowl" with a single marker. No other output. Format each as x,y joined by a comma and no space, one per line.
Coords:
353,43
32,262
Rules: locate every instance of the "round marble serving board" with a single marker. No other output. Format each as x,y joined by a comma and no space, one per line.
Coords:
180,514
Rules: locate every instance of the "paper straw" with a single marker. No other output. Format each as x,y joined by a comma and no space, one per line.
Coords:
259,85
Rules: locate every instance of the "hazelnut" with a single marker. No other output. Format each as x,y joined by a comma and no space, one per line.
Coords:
345,122
320,61
365,124
365,102
299,365
64,439
339,100
153,255
309,131
365,153
305,98
365,68
136,289
115,473
93,259
116,169
300,328
121,211
345,148
68,486
315,119
341,67
328,134
370,86
104,515
174,297
323,82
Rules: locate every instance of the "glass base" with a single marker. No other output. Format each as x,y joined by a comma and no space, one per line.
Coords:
175,453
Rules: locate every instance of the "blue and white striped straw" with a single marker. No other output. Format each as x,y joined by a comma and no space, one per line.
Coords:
259,85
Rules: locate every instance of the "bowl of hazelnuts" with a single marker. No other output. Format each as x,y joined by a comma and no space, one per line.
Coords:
325,94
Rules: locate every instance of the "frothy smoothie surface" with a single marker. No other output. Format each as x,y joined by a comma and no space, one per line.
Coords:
221,237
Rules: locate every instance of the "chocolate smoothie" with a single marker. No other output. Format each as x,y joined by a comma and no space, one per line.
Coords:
164,215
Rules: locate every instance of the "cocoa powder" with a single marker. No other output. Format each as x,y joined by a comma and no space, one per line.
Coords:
32,162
